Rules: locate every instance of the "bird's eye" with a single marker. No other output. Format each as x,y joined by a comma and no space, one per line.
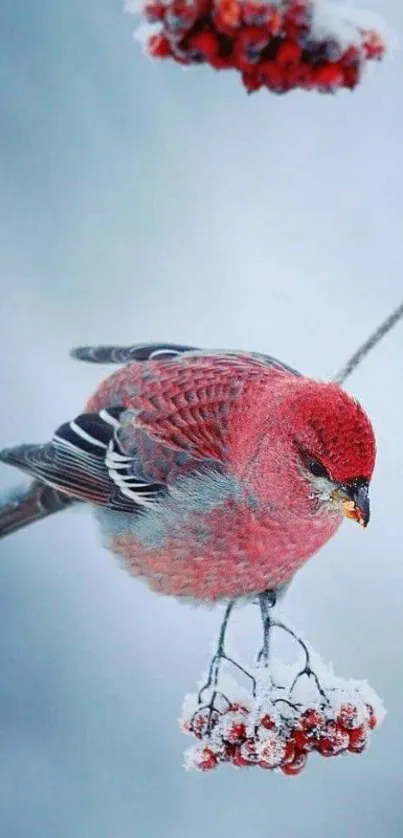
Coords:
317,469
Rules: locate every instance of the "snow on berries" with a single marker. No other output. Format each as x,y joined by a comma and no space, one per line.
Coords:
276,732
284,716
279,45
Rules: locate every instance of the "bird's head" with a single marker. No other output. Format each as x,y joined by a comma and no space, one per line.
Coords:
334,447
314,451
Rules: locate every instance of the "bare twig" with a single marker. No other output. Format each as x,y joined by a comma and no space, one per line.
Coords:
369,344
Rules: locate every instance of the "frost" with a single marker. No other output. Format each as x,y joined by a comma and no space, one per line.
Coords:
289,712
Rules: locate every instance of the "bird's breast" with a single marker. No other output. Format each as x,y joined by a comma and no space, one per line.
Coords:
228,551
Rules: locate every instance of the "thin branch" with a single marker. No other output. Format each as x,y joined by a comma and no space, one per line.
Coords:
369,344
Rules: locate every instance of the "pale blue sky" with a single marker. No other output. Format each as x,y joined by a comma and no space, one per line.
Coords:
140,202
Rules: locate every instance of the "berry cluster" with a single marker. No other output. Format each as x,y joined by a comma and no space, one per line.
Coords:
275,732
279,45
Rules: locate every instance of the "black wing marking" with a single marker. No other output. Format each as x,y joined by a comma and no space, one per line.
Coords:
60,465
121,469
30,504
96,434
85,461
128,354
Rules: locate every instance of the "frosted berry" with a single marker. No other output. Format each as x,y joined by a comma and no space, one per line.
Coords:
268,722
349,716
358,740
206,759
291,769
312,721
203,721
271,752
371,717
301,740
233,728
333,741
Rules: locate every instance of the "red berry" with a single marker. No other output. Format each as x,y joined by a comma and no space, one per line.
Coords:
180,16
358,740
237,708
251,81
371,717
233,731
291,769
333,741
289,753
268,722
233,724
298,11
227,16
301,76
328,77
228,752
271,752
207,759
239,760
348,716
271,75
351,76
255,13
220,63
154,11
244,754
204,43
288,54
248,45
202,721
312,721
374,47
159,46
292,31
300,740
351,56
248,750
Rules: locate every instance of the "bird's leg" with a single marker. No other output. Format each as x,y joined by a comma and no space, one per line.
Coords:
267,601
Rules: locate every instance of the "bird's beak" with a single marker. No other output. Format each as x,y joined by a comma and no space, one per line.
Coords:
354,501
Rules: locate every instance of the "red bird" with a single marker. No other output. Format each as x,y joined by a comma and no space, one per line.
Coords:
212,474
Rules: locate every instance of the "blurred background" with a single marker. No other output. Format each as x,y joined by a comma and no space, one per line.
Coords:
139,202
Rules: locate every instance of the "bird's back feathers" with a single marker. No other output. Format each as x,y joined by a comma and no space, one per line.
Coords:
162,416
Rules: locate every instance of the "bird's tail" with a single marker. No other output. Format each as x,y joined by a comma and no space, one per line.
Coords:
28,504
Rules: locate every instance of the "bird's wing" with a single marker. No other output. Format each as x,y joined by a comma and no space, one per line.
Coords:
163,352
128,354
191,403
146,425
85,462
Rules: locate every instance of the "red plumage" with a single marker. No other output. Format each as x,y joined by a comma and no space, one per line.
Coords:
256,422
217,404
215,474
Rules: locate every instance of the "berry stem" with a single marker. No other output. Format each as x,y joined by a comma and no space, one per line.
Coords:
214,668
217,659
307,669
